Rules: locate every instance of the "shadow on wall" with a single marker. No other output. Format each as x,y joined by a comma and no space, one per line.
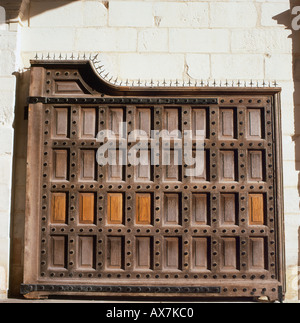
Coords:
14,8
291,20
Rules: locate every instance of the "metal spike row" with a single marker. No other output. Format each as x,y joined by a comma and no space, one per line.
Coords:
93,58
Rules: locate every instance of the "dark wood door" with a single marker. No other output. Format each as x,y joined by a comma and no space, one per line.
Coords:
145,229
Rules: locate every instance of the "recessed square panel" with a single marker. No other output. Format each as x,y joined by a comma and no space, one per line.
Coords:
115,208
88,123
59,208
87,208
143,208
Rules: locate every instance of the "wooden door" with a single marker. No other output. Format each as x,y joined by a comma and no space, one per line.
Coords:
147,229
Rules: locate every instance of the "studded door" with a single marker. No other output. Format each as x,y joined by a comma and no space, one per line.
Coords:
147,229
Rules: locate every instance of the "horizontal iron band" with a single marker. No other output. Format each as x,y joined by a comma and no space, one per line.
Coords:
25,289
45,100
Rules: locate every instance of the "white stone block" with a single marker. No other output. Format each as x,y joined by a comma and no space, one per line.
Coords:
270,13
7,83
292,282
237,66
233,14
261,41
7,112
5,198
3,25
4,264
6,141
5,169
290,176
131,14
46,40
288,148
199,40
279,67
151,66
153,40
3,280
8,62
106,39
7,99
198,66
4,225
291,200
8,40
95,14
288,96
288,124
181,14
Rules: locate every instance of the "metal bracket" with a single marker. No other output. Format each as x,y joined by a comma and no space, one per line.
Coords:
26,289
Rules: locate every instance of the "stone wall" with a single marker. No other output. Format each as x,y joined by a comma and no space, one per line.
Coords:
8,51
183,40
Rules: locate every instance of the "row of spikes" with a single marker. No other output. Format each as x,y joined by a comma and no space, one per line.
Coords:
99,67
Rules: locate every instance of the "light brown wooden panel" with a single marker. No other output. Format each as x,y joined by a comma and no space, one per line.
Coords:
59,208
144,120
255,165
257,254
171,119
172,209
115,252
228,209
200,254
256,209
227,165
200,209
58,252
115,208
87,165
87,208
172,259
254,123
88,123
144,252
227,123
143,208
86,253
115,118
199,121
60,124
229,254
60,165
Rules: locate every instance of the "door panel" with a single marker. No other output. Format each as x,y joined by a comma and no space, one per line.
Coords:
59,208
86,208
256,209
115,210
126,229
